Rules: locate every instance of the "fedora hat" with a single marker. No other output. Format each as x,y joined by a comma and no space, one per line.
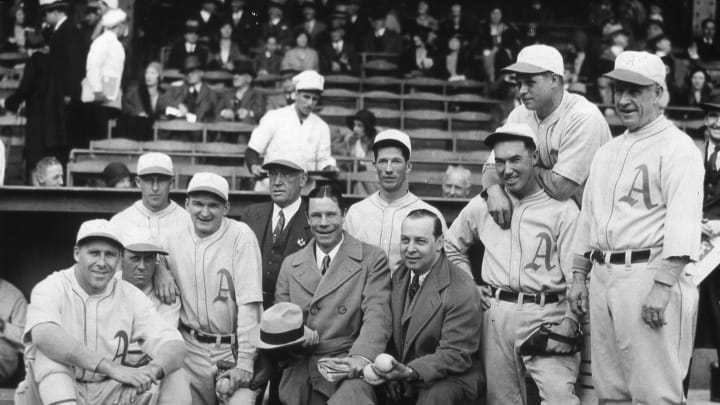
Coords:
711,105
281,325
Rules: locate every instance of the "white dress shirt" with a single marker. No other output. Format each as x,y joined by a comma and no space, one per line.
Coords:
289,212
320,255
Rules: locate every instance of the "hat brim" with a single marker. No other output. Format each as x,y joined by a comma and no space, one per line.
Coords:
57,4
145,248
254,339
205,189
101,235
710,106
391,142
155,170
628,76
496,137
282,163
522,67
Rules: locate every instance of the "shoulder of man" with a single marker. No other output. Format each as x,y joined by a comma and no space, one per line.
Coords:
579,106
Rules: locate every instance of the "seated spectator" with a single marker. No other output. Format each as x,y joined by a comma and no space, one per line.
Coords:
277,25
143,104
492,29
358,144
285,97
339,56
188,46
663,49
13,308
605,96
506,52
209,20
268,62
243,104
537,13
193,100
314,28
17,37
419,59
224,52
456,64
117,175
301,57
423,17
654,29
245,25
615,39
381,39
456,182
706,46
48,173
697,89
458,23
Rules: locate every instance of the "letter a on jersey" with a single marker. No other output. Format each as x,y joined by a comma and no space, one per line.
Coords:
642,171
543,251
226,289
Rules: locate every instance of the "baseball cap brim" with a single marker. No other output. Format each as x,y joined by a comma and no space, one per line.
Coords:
625,75
102,235
495,137
254,339
145,248
283,163
155,170
390,142
205,189
523,67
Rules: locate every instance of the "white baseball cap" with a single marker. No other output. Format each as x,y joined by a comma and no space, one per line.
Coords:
286,161
309,80
393,136
155,163
536,59
139,240
211,183
641,68
99,228
511,130
113,17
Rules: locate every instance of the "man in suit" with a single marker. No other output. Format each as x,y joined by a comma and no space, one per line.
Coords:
339,56
276,25
194,100
315,29
245,25
436,321
357,24
188,46
707,46
343,287
243,104
268,61
381,39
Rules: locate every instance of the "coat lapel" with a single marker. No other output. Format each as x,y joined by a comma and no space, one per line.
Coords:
397,305
305,270
343,266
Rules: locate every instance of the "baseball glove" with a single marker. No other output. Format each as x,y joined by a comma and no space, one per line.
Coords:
536,343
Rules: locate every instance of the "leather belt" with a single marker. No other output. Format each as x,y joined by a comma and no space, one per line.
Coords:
636,256
527,298
203,337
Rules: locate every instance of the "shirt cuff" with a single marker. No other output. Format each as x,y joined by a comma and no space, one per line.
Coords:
581,264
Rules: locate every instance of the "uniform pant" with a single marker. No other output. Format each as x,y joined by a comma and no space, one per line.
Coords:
505,326
632,362
201,368
351,391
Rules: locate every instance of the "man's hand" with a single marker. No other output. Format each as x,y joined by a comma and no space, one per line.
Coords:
238,379
394,390
227,114
183,109
485,296
398,372
242,113
355,363
164,283
126,396
653,308
568,328
139,378
578,295
257,171
312,338
499,206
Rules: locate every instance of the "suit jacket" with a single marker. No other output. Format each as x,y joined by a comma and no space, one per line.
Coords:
293,238
442,336
67,60
711,200
270,64
328,55
317,34
282,32
245,30
207,106
349,307
390,42
178,53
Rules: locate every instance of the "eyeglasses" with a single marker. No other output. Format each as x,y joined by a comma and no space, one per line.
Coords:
281,174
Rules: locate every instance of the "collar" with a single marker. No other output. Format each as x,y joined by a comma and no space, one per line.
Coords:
557,112
651,128
59,23
404,200
288,211
319,254
142,208
84,294
527,199
380,32
205,15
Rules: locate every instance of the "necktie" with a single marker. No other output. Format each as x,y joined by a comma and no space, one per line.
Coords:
414,286
279,227
325,264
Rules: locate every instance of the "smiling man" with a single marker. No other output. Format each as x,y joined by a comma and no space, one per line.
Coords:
80,322
216,264
639,227
569,130
294,130
377,218
343,286
525,271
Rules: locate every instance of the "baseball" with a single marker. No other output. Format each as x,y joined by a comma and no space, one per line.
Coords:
370,376
222,386
384,362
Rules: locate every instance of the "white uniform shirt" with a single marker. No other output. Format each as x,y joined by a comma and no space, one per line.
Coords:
105,64
377,222
534,255
170,314
107,323
160,223
2,162
219,278
645,190
280,135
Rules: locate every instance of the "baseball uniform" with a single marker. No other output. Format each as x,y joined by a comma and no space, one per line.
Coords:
219,278
107,323
567,138
160,223
644,194
13,307
377,222
531,259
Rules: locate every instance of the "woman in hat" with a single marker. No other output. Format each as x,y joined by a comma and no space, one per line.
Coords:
301,57
116,175
357,144
142,104
224,52
419,59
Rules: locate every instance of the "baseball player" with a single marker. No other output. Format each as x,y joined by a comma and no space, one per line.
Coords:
216,264
80,323
569,130
13,308
526,270
640,225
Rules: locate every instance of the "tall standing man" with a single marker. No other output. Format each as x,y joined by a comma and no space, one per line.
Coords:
640,226
569,130
216,264
343,287
377,218
526,271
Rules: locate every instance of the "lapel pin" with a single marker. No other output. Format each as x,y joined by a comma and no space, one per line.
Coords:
301,242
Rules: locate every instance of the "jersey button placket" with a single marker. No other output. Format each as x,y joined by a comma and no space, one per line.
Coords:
515,259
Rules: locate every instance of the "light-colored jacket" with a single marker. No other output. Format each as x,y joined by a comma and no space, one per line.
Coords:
104,70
